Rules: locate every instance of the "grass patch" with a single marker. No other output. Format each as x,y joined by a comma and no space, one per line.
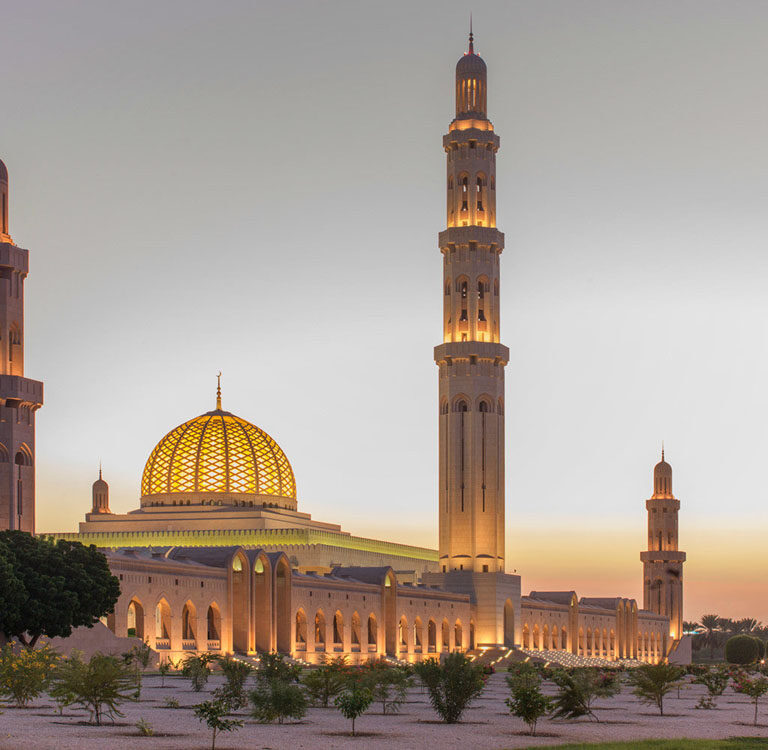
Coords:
733,743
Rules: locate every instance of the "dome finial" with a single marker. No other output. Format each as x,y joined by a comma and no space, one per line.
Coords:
471,37
662,450
99,468
218,391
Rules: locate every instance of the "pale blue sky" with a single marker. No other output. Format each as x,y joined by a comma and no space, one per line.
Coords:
257,188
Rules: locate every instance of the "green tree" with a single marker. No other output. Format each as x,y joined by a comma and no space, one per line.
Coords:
214,714
526,700
326,681
232,692
711,624
755,686
653,681
50,587
273,667
579,688
388,684
197,669
278,700
25,674
98,685
353,703
742,649
452,685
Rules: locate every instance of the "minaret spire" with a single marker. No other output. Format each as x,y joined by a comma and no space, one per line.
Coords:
471,37
218,392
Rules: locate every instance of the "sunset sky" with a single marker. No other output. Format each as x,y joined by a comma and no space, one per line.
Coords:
257,188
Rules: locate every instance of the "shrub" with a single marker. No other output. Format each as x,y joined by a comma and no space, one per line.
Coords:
653,681
741,649
197,669
232,692
214,714
452,685
389,685
164,667
326,681
755,686
579,688
715,679
98,685
353,703
145,728
273,667
25,674
527,701
172,703
760,647
278,700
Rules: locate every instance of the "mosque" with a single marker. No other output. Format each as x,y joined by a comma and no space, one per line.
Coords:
219,557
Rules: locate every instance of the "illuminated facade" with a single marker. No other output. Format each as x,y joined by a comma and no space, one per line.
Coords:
218,556
663,561
20,397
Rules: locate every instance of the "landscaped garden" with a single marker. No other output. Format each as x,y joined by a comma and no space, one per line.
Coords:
271,702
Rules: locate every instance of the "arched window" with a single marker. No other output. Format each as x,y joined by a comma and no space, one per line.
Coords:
431,636
447,287
463,289
458,636
464,191
338,628
4,457
188,622
480,184
162,620
485,407
402,636
461,406
319,629
444,407
214,623
371,630
355,629
417,634
301,627
23,456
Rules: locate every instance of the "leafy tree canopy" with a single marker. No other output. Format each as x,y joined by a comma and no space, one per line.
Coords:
50,587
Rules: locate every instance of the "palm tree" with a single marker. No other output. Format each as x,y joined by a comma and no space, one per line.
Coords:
711,624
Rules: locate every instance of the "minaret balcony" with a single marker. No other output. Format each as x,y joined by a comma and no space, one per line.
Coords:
17,391
465,349
457,236
666,556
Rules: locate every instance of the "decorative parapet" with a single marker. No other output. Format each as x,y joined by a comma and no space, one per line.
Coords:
246,538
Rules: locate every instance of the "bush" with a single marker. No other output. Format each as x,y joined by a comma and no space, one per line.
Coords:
760,647
326,681
232,692
353,703
389,685
25,674
98,685
274,668
452,685
755,686
276,699
527,701
145,728
653,681
171,702
579,688
197,669
742,649
715,679
214,714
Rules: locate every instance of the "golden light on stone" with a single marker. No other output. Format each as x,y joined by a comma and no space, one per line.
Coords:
218,452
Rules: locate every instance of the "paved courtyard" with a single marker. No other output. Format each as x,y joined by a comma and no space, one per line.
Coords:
487,724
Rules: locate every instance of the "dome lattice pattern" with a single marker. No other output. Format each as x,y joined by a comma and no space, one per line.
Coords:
218,452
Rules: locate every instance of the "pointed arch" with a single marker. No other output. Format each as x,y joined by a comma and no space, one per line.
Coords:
300,635
319,630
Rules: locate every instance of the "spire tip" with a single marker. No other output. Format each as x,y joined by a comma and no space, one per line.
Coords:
218,391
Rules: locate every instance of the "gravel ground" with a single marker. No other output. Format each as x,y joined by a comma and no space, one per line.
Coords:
487,724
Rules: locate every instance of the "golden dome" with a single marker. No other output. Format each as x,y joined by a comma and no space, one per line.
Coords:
218,454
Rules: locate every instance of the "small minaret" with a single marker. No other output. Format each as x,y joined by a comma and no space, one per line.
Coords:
100,496
663,562
20,397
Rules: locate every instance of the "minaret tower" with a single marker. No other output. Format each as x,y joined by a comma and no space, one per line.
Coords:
663,562
20,397
471,360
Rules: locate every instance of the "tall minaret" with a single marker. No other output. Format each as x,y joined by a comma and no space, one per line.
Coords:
663,562
471,360
20,397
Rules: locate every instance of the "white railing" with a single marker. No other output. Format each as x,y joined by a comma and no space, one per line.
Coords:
214,645
189,644
162,643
